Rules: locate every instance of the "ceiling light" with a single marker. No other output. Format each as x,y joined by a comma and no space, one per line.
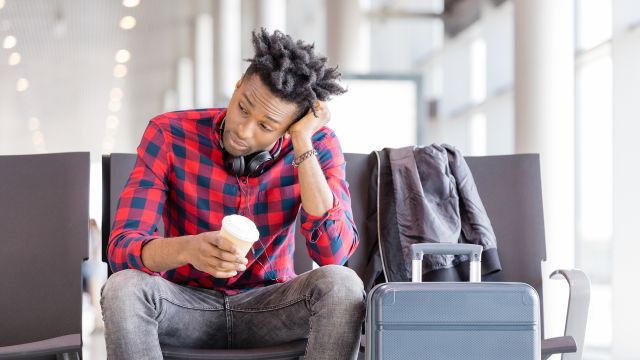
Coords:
112,122
114,106
127,22
22,84
120,71
59,24
34,123
122,56
127,3
14,58
9,42
38,138
116,94
2,4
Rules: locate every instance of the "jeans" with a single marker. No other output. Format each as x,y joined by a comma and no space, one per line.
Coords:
142,312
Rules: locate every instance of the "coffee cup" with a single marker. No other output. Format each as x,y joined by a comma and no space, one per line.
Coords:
241,231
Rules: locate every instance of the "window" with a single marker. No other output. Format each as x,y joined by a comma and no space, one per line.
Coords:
594,167
377,112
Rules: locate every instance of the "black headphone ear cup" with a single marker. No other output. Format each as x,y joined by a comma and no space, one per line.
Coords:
238,165
258,163
234,164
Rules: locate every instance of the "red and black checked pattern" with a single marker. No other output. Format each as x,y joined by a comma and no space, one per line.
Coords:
179,177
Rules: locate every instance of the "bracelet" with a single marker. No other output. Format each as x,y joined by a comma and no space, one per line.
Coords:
297,161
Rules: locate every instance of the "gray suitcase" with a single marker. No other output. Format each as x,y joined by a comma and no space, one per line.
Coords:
452,320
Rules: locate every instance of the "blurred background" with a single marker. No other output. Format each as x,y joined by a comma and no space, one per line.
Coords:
555,77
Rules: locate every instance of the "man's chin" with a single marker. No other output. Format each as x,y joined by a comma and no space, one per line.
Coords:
236,153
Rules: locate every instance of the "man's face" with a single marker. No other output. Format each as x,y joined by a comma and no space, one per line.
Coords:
255,118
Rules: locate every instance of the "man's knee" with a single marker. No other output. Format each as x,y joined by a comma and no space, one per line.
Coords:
340,283
125,285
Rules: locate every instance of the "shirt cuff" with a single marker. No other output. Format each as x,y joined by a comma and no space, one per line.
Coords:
311,223
134,253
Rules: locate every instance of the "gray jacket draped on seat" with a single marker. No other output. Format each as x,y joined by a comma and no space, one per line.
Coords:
426,194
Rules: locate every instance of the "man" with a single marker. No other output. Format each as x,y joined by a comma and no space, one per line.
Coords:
267,156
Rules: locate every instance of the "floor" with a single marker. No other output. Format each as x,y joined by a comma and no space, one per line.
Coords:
92,332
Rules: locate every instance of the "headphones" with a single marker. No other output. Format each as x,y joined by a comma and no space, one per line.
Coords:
252,165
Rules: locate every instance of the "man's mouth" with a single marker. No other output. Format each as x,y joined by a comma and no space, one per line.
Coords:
236,145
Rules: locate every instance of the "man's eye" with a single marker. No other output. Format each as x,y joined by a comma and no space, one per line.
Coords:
264,127
244,111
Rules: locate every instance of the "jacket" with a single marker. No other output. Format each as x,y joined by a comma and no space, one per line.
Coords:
425,194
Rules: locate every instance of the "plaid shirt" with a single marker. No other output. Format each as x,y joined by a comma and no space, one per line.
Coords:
179,176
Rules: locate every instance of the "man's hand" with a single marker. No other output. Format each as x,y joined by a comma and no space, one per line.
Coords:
310,123
317,197
215,255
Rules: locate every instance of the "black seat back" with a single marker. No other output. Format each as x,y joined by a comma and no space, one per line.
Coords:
44,222
117,167
511,191
509,186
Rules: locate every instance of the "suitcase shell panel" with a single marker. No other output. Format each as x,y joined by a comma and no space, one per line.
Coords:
453,321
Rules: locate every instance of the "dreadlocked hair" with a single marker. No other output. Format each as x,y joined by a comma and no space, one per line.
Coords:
292,71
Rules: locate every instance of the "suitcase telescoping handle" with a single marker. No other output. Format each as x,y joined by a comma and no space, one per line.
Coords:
419,250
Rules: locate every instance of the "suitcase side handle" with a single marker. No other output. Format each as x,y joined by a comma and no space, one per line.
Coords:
419,250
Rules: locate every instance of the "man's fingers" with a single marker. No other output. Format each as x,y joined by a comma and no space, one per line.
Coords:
227,266
224,260
228,256
221,243
222,256
216,272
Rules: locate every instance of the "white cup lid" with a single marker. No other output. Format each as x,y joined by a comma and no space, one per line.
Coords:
240,227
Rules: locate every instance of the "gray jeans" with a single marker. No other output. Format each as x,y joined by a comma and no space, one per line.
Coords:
325,305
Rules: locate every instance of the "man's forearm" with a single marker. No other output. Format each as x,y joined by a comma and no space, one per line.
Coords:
316,195
164,254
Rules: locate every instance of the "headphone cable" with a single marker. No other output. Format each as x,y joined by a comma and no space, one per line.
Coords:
250,213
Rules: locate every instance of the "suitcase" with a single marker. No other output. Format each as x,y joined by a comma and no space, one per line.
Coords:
452,320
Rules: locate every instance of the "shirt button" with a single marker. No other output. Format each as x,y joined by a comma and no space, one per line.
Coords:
244,181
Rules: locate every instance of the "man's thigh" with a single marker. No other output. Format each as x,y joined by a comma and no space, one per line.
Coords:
278,313
141,308
191,317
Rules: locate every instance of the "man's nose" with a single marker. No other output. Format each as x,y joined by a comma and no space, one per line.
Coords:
244,130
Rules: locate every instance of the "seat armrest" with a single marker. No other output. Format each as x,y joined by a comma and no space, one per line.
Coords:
577,307
58,345
558,345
